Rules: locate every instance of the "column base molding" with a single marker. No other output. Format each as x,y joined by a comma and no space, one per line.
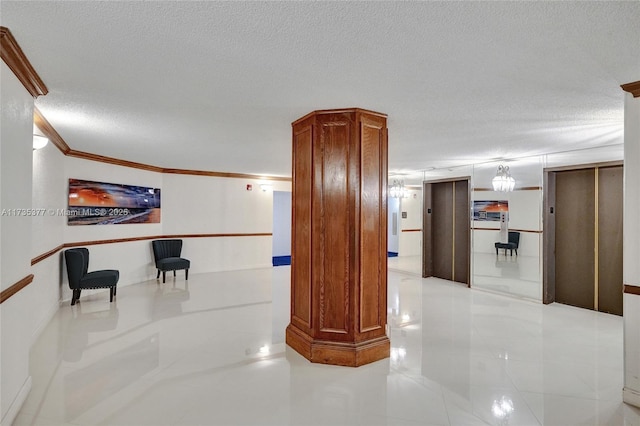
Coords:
631,397
338,353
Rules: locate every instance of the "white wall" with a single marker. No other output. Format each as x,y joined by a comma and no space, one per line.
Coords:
631,244
16,139
281,223
204,205
410,241
47,233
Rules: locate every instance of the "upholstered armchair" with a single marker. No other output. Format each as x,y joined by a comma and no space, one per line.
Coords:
514,242
167,256
77,260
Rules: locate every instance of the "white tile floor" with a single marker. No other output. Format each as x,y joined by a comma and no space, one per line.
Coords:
212,353
519,276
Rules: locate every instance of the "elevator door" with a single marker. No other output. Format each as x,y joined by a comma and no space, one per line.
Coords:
588,238
446,243
575,216
610,202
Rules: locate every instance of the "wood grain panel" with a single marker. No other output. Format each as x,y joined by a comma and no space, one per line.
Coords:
442,230
347,177
334,287
15,288
372,213
575,236
610,281
12,55
301,227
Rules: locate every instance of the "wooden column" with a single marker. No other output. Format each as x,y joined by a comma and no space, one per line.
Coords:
339,237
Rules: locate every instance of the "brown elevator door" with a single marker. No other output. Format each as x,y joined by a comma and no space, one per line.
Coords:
442,230
446,243
610,283
462,242
575,236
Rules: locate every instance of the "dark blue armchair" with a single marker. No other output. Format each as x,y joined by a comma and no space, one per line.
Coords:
77,260
514,242
167,256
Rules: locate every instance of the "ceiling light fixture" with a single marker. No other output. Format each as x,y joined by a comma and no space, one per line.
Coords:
39,142
398,190
503,182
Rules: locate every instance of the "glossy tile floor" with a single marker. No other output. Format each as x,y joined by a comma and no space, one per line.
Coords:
211,352
519,276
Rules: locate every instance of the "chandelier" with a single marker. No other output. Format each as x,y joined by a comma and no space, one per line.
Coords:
503,181
397,189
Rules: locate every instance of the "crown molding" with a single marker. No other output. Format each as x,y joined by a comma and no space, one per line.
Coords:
17,61
224,174
47,129
633,88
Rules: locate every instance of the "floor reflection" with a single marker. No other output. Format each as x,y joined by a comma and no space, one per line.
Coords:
212,352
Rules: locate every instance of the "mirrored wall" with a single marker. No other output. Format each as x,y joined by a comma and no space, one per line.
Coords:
501,271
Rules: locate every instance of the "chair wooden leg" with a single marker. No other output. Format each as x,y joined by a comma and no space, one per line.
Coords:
164,276
115,288
158,276
186,274
174,272
110,294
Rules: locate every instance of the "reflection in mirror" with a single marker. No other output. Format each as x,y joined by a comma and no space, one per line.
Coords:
404,242
500,216
514,274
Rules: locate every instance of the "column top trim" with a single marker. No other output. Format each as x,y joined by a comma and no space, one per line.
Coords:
633,88
338,111
17,61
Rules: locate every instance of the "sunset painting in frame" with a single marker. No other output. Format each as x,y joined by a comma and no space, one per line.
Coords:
489,210
99,203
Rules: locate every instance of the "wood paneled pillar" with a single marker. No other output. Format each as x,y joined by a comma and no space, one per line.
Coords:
339,238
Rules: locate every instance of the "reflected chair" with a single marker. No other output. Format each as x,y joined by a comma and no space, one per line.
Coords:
77,260
167,256
514,242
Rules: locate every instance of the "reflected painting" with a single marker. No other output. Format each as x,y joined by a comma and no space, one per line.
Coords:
99,203
489,210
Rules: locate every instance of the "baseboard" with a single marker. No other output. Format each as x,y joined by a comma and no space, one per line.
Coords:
17,403
631,397
281,260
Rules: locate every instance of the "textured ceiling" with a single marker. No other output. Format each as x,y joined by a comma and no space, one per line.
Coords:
216,85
